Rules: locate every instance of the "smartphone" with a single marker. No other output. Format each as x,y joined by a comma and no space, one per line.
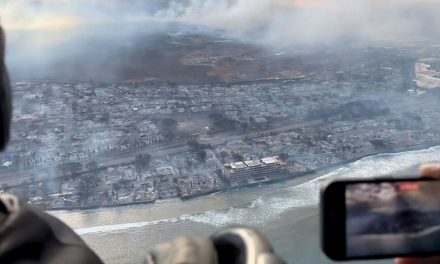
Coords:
380,218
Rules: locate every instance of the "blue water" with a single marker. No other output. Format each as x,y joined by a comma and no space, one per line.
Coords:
270,208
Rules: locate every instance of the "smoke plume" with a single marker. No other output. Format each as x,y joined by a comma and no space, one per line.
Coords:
81,39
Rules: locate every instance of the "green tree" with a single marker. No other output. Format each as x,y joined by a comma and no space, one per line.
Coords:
169,126
44,190
378,144
84,191
71,167
24,191
116,187
5,186
223,155
284,156
237,157
220,123
142,161
201,155
62,169
193,144
244,126
92,166
205,146
216,116
74,167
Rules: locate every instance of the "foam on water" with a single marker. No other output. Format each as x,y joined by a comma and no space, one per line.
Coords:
264,209
120,227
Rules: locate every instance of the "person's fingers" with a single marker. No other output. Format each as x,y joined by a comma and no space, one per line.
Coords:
430,170
426,170
406,261
430,260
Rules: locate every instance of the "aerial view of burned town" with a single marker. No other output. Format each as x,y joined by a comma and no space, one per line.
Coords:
208,114
392,218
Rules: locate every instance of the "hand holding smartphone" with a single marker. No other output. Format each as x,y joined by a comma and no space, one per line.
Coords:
381,218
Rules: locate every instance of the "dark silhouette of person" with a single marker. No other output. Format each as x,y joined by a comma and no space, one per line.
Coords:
29,235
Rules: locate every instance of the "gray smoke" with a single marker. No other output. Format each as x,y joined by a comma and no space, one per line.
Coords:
286,23
83,39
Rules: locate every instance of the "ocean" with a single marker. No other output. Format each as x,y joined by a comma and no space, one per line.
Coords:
287,213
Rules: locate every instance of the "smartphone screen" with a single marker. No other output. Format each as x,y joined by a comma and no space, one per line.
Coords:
392,218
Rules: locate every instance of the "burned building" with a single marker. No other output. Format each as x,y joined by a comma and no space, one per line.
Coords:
252,169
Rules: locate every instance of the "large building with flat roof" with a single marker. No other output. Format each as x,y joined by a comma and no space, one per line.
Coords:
251,169
426,77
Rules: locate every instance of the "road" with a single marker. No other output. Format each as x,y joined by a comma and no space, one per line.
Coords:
114,159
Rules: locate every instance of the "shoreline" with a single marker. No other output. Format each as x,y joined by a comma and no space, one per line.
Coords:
300,177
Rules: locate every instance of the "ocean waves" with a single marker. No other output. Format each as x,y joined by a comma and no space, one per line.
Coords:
120,227
265,209
270,207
